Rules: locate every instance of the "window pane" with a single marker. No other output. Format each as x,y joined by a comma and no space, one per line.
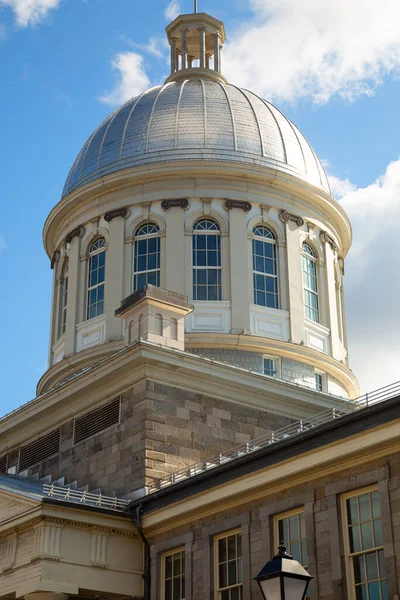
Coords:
361,592
168,566
359,569
168,589
365,511
232,572
222,575
366,534
374,591
222,556
376,507
372,566
355,544
378,532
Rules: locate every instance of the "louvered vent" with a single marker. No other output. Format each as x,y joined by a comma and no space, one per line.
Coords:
97,420
3,464
40,450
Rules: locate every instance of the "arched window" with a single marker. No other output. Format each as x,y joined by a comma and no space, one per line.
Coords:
63,297
206,261
146,256
265,271
96,278
310,283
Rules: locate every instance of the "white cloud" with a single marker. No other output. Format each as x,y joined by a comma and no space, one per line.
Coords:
156,46
131,78
173,10
372,280
314,49
30,12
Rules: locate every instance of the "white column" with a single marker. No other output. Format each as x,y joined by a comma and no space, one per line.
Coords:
239,270
295,283
216,52
46,596
174,250
55,312
173,56
331,301
73,295
114,279
184,47
202,47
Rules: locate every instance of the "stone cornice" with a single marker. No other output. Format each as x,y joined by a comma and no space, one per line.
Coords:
119,372
196,177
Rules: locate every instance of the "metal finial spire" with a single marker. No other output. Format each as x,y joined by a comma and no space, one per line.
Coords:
195,6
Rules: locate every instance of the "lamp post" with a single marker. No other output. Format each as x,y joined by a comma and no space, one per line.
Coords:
283,578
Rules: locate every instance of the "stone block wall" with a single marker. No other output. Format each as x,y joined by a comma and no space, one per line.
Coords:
320,499
291,370
162,430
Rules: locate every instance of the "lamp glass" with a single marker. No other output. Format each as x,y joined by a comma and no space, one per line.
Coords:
271,588
294,588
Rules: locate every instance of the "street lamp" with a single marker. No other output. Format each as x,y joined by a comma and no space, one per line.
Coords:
283,578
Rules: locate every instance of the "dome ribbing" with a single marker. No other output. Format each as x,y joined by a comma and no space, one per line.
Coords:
196,119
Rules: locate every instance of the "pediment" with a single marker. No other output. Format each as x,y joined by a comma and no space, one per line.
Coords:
13,504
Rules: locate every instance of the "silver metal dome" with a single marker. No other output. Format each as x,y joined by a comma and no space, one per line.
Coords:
196,119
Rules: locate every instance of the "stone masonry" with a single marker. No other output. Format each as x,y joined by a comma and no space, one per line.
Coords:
321,501
162,429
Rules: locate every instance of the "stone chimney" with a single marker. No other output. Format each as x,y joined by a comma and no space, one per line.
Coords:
155,315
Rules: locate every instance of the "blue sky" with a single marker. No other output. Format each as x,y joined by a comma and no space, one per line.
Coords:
331,66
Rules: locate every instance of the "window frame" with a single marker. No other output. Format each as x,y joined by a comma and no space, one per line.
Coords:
266,240
312,258
147,236
164,555
286,515
216,538
218,268
349,568
89,288
322,387
277,361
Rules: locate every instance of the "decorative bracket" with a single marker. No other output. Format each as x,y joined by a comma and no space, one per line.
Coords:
327,239
286,216
119,212
55,259
167,204
229,204
78,232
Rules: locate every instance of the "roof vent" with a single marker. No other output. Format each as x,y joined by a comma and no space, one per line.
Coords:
39,450
97,420
3,464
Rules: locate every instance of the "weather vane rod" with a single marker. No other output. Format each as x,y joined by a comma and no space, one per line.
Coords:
195,6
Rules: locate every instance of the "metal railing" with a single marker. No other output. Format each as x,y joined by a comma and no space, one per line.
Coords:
297,428
81,497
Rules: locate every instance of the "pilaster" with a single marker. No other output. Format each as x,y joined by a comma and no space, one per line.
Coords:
240,299
114,291
73,294
174,249
295,282
332,307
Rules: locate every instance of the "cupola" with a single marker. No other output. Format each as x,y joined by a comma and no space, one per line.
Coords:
196,43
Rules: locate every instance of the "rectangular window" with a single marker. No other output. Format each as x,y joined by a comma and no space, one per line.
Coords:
173,575
290,528
271,366
319,382
228,566
364,546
